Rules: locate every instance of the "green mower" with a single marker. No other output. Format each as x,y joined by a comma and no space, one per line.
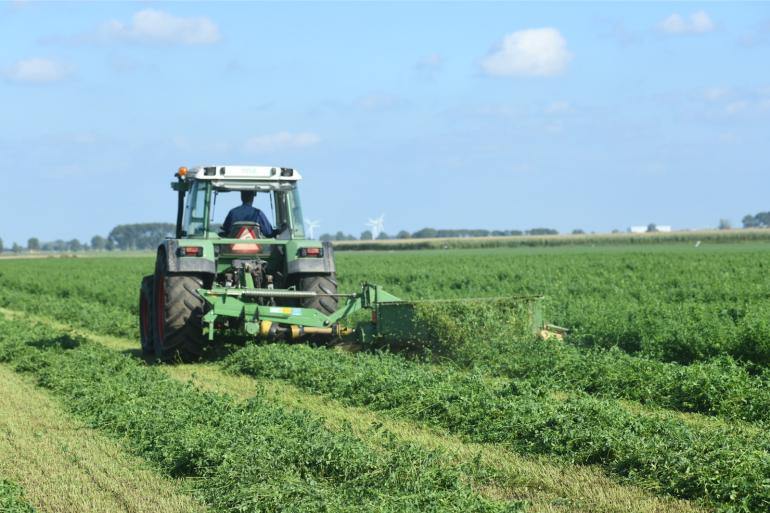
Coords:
243,284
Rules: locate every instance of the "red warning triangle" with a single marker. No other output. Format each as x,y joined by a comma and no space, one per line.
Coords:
246,233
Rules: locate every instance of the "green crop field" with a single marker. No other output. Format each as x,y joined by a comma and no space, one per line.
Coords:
656,400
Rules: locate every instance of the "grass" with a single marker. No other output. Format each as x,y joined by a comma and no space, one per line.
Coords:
545,485
694,321
12,498
676,457
255,456
66,467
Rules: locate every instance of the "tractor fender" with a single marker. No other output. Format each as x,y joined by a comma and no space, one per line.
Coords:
188,264
323,265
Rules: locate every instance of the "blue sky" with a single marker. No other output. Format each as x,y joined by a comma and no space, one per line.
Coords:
453,115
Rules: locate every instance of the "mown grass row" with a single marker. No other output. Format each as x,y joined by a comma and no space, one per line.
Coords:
12,499
719,464
95,315
719,387
253,457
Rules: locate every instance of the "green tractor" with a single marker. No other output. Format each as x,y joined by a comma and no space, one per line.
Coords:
279,286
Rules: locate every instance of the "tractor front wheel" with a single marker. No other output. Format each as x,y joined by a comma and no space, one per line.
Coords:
178,315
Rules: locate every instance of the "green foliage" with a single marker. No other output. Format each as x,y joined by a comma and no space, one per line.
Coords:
12,499
719,387
251,457
660,450
464,330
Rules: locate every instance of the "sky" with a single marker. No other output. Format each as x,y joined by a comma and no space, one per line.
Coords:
494,115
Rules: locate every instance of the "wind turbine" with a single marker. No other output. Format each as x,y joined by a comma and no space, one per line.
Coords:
377,226
311,226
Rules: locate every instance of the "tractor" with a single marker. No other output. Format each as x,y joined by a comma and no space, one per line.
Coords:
210,284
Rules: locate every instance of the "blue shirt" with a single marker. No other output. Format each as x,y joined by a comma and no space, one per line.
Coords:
248,213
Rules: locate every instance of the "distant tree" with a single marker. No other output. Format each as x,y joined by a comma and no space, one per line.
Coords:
383,236
109,245
57,245
366,235
16,248
425,233
74,245
763,218
340,236
350,237
326,237
403,234
98,243
33,244
725,224
577,231
542,231
1,245
749,221
140,235
651,228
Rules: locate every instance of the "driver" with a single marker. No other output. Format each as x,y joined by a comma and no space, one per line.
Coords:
248,213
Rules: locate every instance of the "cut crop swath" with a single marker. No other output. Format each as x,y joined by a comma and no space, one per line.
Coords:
681,459
254,457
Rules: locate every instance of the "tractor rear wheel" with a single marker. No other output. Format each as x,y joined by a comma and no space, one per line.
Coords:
178,315
322,284
145,315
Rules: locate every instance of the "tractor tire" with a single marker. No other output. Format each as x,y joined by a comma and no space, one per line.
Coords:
323,284
178,315
146,309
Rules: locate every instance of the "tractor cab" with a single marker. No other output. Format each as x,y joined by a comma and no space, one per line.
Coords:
206,194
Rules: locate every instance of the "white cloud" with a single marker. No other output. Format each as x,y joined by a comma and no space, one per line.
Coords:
697,23
281,141
36,70
154,26
534,52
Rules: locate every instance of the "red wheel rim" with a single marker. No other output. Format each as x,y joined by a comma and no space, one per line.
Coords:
160,308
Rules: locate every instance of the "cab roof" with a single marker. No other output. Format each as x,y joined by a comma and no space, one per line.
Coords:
238,178
227,173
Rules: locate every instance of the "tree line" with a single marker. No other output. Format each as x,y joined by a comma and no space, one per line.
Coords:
147,236
124,237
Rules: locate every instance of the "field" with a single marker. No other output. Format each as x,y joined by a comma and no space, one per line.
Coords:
657,400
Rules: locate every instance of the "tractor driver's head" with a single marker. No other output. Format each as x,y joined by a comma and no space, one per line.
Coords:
247,197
